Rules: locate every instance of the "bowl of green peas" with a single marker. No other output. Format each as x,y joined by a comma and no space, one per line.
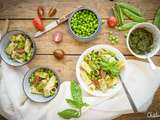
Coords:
84,24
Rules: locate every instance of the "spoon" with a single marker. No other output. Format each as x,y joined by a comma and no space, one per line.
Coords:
153,66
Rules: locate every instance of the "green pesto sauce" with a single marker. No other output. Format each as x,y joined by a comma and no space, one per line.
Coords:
141,41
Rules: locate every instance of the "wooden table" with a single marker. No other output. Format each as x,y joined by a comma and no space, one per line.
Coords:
21,12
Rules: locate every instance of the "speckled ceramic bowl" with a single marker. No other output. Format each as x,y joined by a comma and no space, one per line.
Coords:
27,87
5,41
87,38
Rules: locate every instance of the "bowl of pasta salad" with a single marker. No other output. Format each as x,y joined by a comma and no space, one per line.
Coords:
41,84
17,48
99,70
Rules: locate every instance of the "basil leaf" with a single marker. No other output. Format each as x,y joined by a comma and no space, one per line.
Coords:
76,104
76,91
69,113
110,67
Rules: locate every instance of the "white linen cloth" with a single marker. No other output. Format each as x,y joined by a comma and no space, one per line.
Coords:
141,82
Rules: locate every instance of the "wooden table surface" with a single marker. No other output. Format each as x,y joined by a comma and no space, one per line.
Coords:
21,12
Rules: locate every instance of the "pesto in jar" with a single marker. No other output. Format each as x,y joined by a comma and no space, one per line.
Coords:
141,41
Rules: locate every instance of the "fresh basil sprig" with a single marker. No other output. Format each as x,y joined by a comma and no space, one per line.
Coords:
69,113
76,91
76,102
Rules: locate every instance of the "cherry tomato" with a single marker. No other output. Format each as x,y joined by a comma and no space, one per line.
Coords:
112,21
40,11
59,54
37,79
57,36
38,24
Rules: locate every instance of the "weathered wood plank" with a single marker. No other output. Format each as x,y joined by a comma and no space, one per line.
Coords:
27,8
45,45
66,68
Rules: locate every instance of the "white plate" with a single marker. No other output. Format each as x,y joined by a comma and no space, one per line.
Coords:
110,92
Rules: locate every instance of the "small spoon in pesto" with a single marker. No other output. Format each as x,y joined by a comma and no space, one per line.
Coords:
153,66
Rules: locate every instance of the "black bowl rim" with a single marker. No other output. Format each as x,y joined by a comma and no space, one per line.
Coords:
34,47
35,68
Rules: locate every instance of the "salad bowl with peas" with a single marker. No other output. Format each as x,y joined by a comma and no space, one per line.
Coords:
84,24
17,48
99,70
41,84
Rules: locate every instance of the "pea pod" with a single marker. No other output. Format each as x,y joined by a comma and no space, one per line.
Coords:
157,19
116,15
130,8
127,26
120,14
133,16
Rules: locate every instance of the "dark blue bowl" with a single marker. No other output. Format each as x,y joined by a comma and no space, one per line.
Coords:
86,38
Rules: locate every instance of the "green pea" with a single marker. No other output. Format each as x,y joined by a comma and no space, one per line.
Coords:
84,23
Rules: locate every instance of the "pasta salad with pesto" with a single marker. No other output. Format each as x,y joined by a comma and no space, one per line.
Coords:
101,69
43,82
20,48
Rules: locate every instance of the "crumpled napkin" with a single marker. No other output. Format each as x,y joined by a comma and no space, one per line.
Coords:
141,82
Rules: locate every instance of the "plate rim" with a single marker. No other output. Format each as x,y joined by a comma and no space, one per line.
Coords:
80,80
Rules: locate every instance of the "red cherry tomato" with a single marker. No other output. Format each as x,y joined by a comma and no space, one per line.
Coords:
112,21
57,36
38,24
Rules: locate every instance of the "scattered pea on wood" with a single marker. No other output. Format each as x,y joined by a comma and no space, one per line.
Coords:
112,38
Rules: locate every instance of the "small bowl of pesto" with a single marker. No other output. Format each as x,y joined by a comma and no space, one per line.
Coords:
17,48
143,41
